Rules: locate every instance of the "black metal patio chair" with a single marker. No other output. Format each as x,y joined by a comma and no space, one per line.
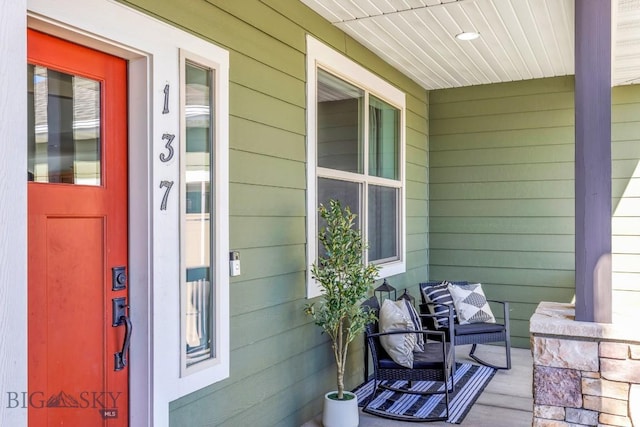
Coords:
435,363
473,333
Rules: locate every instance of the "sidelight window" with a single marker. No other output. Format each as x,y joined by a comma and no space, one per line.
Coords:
199,293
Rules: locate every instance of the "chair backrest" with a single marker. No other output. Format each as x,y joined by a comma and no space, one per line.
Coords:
430,322
377,351
424,285
372,305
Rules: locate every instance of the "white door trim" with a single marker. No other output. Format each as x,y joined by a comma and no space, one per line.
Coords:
152,48
13,211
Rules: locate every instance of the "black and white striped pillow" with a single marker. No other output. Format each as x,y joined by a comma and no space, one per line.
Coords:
439,294
417,324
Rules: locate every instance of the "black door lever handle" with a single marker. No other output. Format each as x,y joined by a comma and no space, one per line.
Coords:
120,358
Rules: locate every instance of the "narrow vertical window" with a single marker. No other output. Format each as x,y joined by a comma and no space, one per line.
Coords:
198,217
201,149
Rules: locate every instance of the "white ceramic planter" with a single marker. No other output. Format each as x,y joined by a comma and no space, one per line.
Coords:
340,413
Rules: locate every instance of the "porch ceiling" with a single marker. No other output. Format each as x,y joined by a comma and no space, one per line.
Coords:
520,39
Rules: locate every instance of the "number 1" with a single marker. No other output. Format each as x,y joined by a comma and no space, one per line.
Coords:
166,99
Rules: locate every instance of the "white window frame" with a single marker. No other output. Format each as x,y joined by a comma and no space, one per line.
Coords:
220,343
321,56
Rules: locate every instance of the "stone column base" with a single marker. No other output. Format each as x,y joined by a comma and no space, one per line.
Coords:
584,374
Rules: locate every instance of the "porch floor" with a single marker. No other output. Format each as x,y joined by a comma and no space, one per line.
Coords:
506,402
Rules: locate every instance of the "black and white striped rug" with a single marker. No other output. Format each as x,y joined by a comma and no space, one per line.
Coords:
470,382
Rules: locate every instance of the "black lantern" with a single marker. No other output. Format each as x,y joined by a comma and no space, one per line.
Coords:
384,291
406,295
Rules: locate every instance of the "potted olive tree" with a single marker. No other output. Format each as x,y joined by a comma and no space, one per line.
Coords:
345,281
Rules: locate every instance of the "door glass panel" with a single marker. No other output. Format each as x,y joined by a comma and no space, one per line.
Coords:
64,128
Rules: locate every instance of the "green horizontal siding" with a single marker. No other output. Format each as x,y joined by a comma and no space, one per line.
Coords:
249,136
504,90
259,200
509,121
625,115
258,169
503,138
267,231
524,282
519,243
504,225
501,189
416,154
416,225
503,156
416,173
267,110
556,207
262,78
507,105
502,258
281,364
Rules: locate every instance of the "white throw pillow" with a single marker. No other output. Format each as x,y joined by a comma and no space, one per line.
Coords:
471,304
395,317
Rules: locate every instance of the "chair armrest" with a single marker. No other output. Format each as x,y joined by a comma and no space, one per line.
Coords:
505,305
447,356
505,311
425,332
451,329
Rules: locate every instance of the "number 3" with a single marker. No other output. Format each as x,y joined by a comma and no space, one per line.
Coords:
169,138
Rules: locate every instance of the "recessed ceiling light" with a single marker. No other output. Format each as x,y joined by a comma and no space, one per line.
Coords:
467,35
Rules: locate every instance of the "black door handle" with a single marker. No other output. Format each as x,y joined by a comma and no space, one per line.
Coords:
120,358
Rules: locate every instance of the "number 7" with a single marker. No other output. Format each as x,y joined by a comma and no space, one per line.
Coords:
168,185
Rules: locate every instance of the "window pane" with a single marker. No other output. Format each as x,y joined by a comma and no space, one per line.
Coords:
347,192
339,124
383,223
198,213
384,139
64,128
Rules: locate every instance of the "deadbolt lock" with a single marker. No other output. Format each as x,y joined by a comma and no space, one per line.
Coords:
119,278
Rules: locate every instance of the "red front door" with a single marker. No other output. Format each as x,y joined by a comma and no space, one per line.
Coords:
77,195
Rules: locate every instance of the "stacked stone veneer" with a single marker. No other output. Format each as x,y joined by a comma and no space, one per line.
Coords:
584,374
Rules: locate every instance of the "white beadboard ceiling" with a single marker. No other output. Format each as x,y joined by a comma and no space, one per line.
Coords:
520,39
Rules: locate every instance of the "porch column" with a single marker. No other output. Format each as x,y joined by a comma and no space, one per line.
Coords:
593,160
